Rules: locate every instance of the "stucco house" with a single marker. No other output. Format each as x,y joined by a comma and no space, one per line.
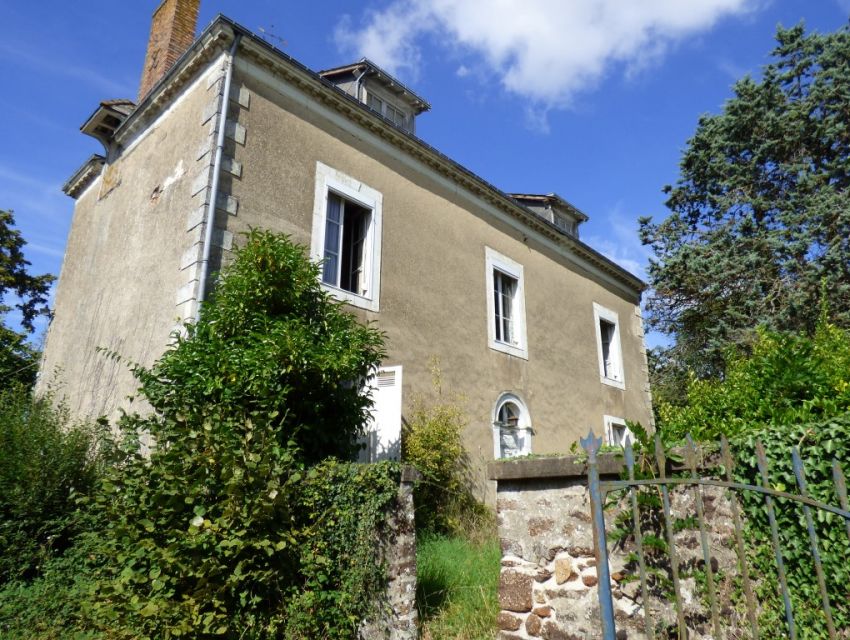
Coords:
540,334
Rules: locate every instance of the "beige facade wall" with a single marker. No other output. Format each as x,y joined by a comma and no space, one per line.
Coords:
126,259
433,300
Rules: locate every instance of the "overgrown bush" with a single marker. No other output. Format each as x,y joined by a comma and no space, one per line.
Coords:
433,444
786,379
56,603
341,511
271,346
787,390
218,533
820,444
46,463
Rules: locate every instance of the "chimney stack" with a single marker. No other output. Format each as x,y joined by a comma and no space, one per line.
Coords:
172,33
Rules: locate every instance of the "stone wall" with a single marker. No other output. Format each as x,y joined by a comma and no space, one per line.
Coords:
398,614
548,583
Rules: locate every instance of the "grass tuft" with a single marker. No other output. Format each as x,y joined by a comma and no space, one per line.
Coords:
457,591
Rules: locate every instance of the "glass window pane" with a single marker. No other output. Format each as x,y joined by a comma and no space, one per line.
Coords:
375,103
497,303
505,297
333,224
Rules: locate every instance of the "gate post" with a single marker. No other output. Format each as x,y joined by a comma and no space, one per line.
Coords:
591,446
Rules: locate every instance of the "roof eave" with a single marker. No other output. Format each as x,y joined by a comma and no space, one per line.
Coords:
83,176
222,31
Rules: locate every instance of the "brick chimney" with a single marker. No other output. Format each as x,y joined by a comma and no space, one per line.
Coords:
172,33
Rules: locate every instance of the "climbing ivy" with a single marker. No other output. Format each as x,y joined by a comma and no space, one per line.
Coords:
820,445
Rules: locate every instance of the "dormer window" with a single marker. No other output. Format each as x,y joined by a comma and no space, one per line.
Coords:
394,115
554,209
376,104
565,224
382,93
391,113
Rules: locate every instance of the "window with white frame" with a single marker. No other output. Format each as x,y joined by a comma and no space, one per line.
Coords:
616,432
511,427
391,113
505,305
608,346
347,237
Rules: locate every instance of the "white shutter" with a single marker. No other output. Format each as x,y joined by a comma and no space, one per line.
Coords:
383,441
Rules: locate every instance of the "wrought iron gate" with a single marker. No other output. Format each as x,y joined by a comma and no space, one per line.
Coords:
691,477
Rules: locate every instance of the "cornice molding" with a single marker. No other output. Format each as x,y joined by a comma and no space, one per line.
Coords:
84,176
218,37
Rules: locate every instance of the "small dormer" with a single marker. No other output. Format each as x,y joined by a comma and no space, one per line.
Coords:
106,119
554,209
380,91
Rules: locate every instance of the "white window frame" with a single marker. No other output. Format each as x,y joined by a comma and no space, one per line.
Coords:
615,350
385,106
524,425
609,422
330,180
495,261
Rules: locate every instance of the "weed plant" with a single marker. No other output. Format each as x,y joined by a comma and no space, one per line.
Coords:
457,592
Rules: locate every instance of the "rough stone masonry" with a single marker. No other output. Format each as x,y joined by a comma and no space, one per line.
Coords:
548,580
397,613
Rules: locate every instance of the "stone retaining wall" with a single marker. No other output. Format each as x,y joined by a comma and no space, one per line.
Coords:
398,614
548,581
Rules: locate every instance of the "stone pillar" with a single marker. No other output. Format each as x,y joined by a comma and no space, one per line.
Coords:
398,618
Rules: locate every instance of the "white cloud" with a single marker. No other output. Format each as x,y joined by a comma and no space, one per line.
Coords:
545,50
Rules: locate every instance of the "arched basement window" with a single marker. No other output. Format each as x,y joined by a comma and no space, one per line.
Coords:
511,427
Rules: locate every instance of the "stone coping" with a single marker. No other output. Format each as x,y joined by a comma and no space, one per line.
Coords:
610,463
554,467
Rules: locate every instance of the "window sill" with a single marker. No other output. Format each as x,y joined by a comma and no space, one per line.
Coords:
612,382
353,299
510,349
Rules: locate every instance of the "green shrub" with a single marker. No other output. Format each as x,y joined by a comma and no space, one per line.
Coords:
820,444
272,346
342,513
786,379
433,443
56,603
46,463
219,532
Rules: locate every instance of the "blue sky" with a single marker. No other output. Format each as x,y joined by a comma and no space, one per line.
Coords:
592,99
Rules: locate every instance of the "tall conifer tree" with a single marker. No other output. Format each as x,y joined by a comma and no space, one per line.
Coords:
759,222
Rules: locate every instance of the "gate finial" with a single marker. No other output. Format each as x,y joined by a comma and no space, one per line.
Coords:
591,445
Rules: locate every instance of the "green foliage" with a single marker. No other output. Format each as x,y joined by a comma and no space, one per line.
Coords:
342,514
18,360
226,529
457,585
759,218
820,444
332,581
786,379
46,464
433,444
272,347
55,604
